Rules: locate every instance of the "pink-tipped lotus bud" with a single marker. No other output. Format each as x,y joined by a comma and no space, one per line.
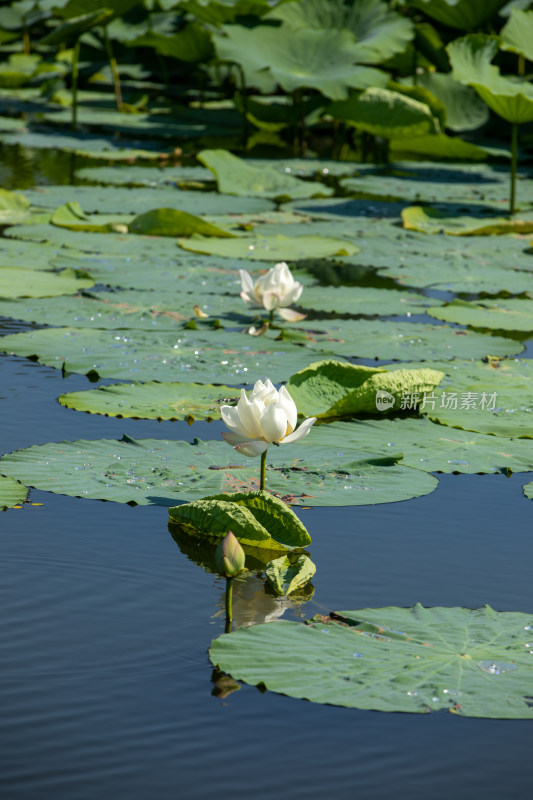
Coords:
229,556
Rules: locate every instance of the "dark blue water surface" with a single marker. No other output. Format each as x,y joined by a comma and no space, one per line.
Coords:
106,687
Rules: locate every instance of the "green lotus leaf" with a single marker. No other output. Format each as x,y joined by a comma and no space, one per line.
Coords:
426,445
385,113
68,32
160,472
18,69
192,43
271,248
528,490
27,255
378,31
517,33
256,518
366,301
465,111
471,58
286,574
335,388
171,222
492,397
37,283
106,200
73,8
13,208
142,176
235,176
436,148
510,314
11,493
481,221
72,216
216,12
314,59
88,145
153,400
466,15
471,663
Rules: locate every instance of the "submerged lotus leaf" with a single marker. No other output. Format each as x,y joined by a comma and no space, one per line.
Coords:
235,176
288,574
193,356
335,388
493,397
471,58
153,400
160,472
271,248
477,221
171,222
106,200
510,314
426,445
416,660
16,282
11,493
385,113
256,518
388,340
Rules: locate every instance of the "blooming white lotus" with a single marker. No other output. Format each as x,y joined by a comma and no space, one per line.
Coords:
267,416
276,289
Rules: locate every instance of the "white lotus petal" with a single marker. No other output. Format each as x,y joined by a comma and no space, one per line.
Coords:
253,448
274,423
290,315
230,417
234,438
250,415
289,407
300,432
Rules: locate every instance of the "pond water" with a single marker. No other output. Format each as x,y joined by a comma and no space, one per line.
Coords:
107,689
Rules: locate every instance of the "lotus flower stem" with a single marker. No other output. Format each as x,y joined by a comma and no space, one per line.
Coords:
114,70
229,597
75,60
263,470
514,158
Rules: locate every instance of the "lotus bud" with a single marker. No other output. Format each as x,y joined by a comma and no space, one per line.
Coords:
229,556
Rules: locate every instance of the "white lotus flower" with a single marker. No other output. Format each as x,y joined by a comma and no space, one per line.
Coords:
265,417
276,289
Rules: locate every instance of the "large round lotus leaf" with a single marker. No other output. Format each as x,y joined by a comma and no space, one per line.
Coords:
143,176
465,111
465,15
510,314
471,58
365,301
385,113
378,31
150,311
234,176
11,493
189,355
88,145
311,59
37,283
460,221
408,180
415,660
389,340
271,248
159,472
493,397
153,400
517,33
111,199
427,445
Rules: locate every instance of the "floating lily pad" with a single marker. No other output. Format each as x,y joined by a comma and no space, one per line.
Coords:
144,355
143,176
171,222
477,221
234,176
440,148
271,248
390,340
153,400
72,216
28,255
11,493
89,145
37,283
471,663
335,388
109,199
160,472
364,301
428,446
510,314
